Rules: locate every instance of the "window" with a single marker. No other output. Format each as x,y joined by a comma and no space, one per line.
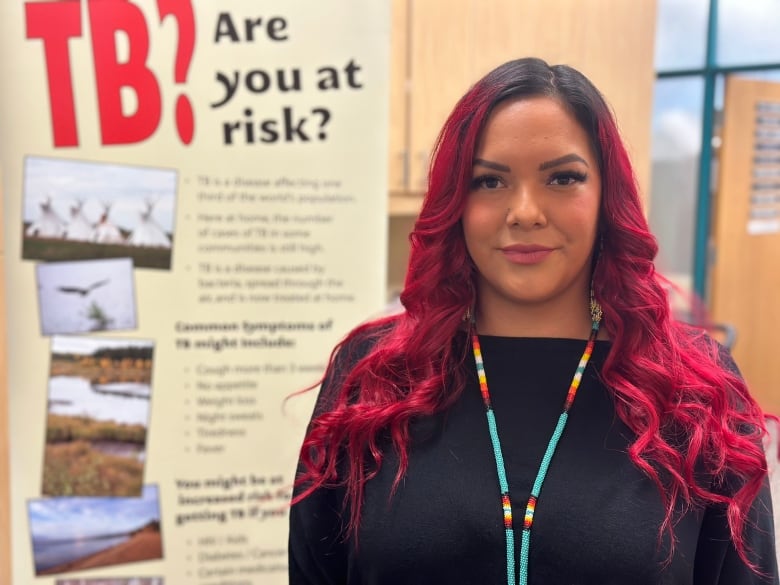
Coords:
698,42
676,148
748,32
681,34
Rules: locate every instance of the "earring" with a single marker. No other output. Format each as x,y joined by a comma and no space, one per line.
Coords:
595,308
467,317
596,313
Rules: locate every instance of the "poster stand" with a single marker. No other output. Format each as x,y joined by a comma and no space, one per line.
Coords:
195,213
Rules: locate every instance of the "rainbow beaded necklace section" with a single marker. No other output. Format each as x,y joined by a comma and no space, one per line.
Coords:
506,501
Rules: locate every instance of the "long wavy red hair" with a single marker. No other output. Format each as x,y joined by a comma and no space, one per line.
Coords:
669,383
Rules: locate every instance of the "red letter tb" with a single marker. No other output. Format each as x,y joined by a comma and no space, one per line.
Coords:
106,17
55,23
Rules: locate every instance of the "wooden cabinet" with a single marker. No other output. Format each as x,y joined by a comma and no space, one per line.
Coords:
444,46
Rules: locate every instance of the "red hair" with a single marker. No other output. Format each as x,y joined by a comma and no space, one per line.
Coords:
669,383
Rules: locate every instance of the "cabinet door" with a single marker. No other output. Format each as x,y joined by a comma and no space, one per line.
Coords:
398,165
746,272
441,45
610,41
455,42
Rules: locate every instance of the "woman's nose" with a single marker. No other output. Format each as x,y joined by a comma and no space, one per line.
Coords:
525,209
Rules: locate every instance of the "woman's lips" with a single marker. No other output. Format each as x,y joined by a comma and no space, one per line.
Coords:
526,254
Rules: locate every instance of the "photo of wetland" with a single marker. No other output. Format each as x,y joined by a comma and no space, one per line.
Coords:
97,416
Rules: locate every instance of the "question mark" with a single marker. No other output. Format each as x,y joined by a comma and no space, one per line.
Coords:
325,119
185,18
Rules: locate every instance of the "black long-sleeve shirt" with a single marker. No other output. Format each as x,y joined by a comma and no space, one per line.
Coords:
597,518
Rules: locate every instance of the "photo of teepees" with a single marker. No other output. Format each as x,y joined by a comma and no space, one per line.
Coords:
97,417
76,210
73,534
91,295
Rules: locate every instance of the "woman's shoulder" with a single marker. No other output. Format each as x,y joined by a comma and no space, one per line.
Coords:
703,342
727,386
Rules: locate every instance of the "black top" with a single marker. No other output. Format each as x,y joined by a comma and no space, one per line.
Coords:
597,518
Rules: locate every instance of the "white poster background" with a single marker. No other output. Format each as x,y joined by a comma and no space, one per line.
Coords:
278,249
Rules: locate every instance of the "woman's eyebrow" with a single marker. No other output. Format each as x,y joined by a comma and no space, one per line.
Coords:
492,165
567,158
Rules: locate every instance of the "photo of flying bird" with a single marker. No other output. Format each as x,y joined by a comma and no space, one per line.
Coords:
86,296
83,291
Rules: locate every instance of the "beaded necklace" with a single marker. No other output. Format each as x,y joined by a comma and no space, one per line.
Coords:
506,502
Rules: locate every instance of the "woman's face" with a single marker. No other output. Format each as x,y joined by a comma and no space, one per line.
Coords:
531,217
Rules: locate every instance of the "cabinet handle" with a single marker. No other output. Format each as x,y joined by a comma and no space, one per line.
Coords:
423,155
405,170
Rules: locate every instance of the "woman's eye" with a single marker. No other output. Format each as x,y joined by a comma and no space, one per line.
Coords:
567,178
486,182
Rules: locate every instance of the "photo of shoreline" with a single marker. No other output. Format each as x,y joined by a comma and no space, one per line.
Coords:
72,534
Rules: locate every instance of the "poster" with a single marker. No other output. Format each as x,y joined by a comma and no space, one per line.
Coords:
195,213
764,206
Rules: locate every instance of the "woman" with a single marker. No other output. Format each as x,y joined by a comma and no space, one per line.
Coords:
535,415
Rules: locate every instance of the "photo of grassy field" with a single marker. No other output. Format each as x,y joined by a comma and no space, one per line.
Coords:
54,250
97,417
